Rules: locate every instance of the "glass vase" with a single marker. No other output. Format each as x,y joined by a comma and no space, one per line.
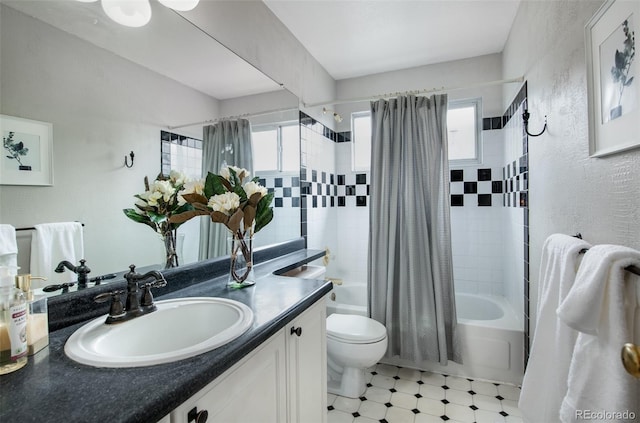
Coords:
241,272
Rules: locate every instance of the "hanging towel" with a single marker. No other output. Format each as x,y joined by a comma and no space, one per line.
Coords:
595,306
545,381
52,243
8,246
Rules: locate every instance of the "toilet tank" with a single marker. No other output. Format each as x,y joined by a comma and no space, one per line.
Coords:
307,271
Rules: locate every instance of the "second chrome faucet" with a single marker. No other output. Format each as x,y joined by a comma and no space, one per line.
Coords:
136,304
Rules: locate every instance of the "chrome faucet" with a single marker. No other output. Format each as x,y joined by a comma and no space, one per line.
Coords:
82,271
135,305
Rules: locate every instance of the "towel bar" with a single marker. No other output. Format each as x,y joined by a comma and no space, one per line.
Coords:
30,228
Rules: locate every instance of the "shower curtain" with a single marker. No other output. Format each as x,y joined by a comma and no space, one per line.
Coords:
225,142
410,268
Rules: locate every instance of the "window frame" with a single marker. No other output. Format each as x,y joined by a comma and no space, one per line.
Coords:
476,102
278,127
355,168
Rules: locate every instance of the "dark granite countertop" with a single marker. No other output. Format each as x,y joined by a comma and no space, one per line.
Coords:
53,388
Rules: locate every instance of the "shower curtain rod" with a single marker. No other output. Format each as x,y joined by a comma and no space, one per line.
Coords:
266,112
425,91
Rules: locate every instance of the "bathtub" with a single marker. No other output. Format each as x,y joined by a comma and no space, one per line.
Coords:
348,299
489,330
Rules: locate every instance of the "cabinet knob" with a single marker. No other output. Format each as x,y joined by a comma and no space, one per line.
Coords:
197,416
296,330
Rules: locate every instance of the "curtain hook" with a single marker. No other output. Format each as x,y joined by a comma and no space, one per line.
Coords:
525,118
126,162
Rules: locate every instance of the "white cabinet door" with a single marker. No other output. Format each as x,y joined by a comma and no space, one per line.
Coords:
253,391
307,366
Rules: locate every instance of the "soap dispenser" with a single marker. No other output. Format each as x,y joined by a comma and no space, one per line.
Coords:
38,319
13,324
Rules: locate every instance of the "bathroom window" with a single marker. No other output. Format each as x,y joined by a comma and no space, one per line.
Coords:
276,148
361,141
463,124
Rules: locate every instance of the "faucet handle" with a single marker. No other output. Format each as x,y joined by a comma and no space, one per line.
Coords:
147,297
117,309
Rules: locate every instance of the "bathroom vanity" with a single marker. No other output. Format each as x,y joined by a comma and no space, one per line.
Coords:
274,372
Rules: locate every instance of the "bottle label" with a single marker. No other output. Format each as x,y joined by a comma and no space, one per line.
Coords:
18,330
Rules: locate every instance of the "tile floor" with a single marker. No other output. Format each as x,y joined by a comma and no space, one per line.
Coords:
403,395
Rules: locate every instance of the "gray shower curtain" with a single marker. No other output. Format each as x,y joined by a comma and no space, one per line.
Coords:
225,142
410,268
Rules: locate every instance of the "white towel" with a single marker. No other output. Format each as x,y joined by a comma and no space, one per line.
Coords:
545,381
8,246
52,243
595,306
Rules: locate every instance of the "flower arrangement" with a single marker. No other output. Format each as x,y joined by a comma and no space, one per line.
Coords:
243,207
622,65
161,200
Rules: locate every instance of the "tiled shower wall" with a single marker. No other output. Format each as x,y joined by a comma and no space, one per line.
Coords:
334,201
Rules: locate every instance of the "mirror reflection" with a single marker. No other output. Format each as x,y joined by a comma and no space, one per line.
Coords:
108,91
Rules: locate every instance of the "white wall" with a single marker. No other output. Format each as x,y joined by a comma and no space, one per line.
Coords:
569,192
101,107
459,73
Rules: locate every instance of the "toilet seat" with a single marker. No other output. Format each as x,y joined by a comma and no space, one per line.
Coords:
354,329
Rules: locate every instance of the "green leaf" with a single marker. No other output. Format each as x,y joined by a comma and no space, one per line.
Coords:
133,215
234,177
263,220
215,185
240,191
156,218
264,212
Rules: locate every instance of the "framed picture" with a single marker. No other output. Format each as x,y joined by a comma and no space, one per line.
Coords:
27,152
613,79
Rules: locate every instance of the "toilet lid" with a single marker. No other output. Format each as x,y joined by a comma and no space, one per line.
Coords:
355,329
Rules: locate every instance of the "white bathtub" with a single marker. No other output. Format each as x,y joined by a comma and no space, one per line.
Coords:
348,299
490,333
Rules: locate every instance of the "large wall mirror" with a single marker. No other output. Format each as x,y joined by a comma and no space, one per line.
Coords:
109,90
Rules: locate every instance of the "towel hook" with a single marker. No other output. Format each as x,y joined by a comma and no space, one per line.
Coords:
126,163
525,118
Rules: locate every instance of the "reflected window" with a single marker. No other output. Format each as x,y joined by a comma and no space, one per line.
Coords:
181,153
276,148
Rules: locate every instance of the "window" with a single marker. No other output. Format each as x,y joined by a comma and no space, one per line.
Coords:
361,140
276,148
463,118
463,124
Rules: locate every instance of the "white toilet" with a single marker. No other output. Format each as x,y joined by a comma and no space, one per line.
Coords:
354,343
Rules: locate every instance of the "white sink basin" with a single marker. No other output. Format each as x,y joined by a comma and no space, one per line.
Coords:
178,329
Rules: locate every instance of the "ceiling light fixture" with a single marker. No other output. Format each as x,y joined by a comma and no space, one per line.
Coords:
137,13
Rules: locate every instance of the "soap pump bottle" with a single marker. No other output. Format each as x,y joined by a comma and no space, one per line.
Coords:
37,317
13,324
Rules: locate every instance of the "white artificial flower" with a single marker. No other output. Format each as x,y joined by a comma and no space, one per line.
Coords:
226,203
139,204
191,187
224,172
178,178
153,197
165,188
252,187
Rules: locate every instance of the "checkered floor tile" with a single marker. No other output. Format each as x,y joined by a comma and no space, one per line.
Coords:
403,395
